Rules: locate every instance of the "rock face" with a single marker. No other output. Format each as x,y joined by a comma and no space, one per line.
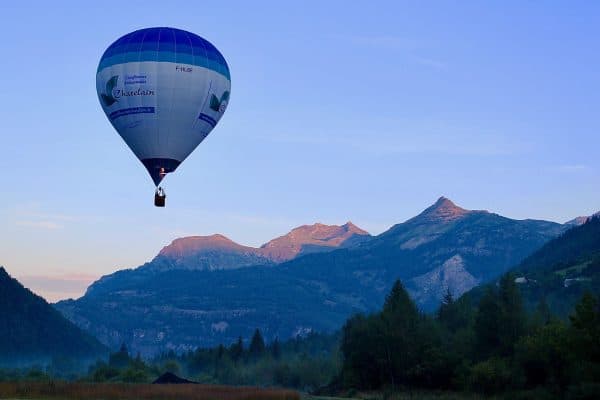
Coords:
179,308
451,275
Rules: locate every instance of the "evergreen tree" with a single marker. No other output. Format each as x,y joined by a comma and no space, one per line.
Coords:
487,319
542,315
585,337
398,302
138,362
448,312
257,345
386,348
236,351
543,356
586,318
276,349
500,319
363,362
220,351
119,359
398,335
512,315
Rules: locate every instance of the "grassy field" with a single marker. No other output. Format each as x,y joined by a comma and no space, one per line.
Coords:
414,395
122,391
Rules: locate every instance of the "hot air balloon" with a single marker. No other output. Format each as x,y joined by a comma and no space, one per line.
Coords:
163,90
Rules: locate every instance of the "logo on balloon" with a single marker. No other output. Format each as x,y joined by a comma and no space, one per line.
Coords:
107,97
217,104
112,94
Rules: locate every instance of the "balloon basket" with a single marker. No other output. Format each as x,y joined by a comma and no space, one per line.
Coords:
159,198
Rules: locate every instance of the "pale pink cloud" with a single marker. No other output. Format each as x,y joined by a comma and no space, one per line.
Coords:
58,287
50,225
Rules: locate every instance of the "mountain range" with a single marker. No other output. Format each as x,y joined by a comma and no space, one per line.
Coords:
218,252
201,291
32,330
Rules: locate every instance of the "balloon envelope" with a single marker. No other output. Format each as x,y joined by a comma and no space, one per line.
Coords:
163,90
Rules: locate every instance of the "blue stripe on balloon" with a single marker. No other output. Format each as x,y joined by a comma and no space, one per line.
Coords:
165,44
163,56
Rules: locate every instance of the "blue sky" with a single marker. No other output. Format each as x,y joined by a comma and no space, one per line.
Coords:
362,111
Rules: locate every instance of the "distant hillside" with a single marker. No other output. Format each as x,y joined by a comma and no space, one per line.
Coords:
183,307
563,269
31,329
576,245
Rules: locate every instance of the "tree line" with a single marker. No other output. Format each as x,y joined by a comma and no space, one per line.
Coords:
304,363
493,347
490,345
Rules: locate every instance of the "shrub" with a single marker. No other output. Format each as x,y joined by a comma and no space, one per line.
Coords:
490,376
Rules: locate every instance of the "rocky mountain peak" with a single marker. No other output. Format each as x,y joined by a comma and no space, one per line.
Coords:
306,238
577,221
443,210
185,246
350,227
581,220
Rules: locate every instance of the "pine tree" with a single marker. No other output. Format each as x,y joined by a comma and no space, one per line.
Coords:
236,351
257,345
586,318
585,327
512,315
399,303
363,356
120,359
138,362
276,349
220,351
398,331
487,339
542,315
447,314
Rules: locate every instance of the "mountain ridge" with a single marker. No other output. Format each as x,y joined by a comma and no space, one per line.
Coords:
32,329
219,252
295,242
443,247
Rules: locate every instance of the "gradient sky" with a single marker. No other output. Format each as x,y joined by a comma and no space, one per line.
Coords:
361,111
